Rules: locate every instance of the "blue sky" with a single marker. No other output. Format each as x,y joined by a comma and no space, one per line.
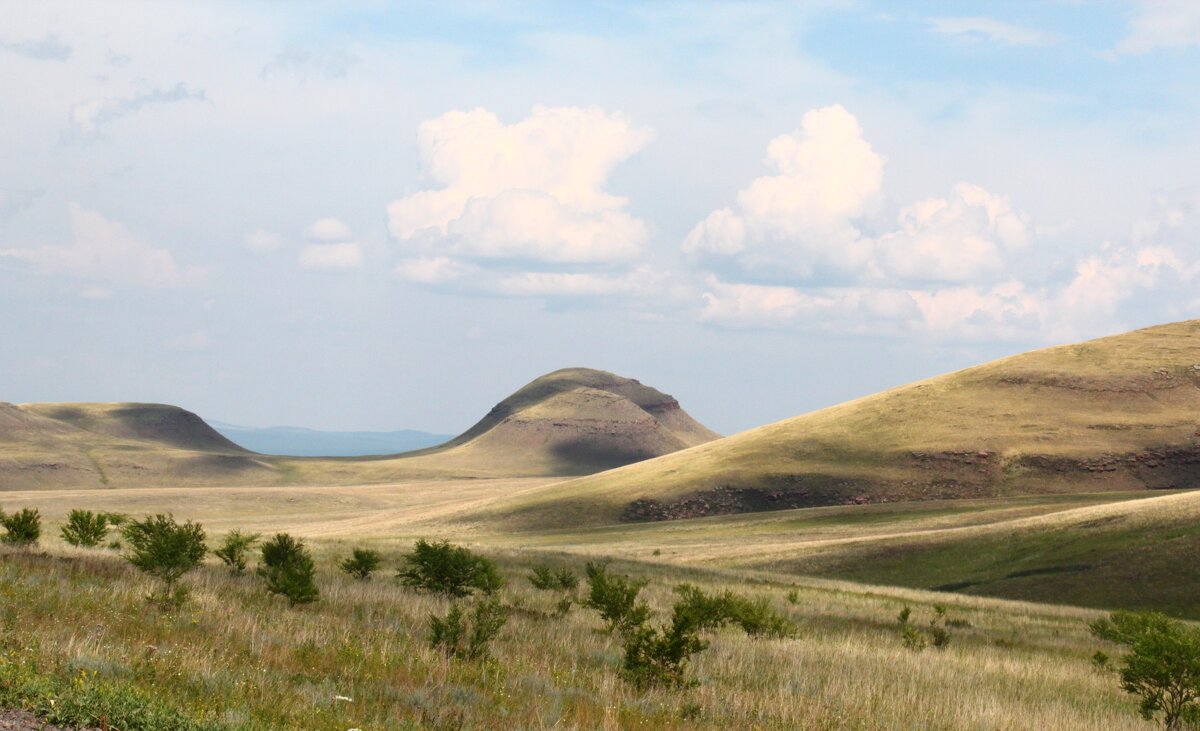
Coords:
382,215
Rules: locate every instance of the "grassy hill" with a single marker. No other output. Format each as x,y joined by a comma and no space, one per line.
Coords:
576,421
1116,413
1135,555
570,422
105,445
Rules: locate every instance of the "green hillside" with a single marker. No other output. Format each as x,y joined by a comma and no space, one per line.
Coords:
1116,413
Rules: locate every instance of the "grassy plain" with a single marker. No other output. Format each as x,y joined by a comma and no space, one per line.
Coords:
240,659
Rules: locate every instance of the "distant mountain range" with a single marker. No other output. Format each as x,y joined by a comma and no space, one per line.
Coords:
294,441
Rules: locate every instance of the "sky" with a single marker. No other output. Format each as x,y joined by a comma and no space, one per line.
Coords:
370,215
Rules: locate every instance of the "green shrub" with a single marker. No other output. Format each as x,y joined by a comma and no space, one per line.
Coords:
451,570
703,611
234,548
758,619
362,563
549,579
912,638
939,637
467,638
658,657
288,569
754,616
1162,665
166,550
22,528
916,639
85,528
614,596
562,579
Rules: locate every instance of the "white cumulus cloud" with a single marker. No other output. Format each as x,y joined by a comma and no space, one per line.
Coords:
802,217
964,237
533,190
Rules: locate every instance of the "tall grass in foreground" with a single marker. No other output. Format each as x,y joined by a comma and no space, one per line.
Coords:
235,657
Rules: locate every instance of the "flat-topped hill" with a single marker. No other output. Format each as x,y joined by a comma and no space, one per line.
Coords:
119,444
160,423
1121,412
578,421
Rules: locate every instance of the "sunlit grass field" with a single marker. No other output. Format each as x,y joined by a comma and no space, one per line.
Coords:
359,657
238,658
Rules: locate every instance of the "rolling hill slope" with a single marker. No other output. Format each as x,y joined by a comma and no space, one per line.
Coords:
106,445
571,422
1117,413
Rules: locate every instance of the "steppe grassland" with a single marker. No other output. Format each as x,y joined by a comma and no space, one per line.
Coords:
236,655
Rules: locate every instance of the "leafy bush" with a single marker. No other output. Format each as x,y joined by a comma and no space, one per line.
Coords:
1162,665
939,637
562,579
85,528
758,619
658,657
234,548
754,616
468,639
549,579
22,528
362,563
446,569
912,637
615,597
703,611
916,639
288,569
165,550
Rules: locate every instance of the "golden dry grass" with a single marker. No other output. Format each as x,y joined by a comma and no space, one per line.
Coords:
236,655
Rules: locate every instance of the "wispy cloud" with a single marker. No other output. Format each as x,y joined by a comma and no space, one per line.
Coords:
48,48
15,201
990,29
305,64
89,118
1162,24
